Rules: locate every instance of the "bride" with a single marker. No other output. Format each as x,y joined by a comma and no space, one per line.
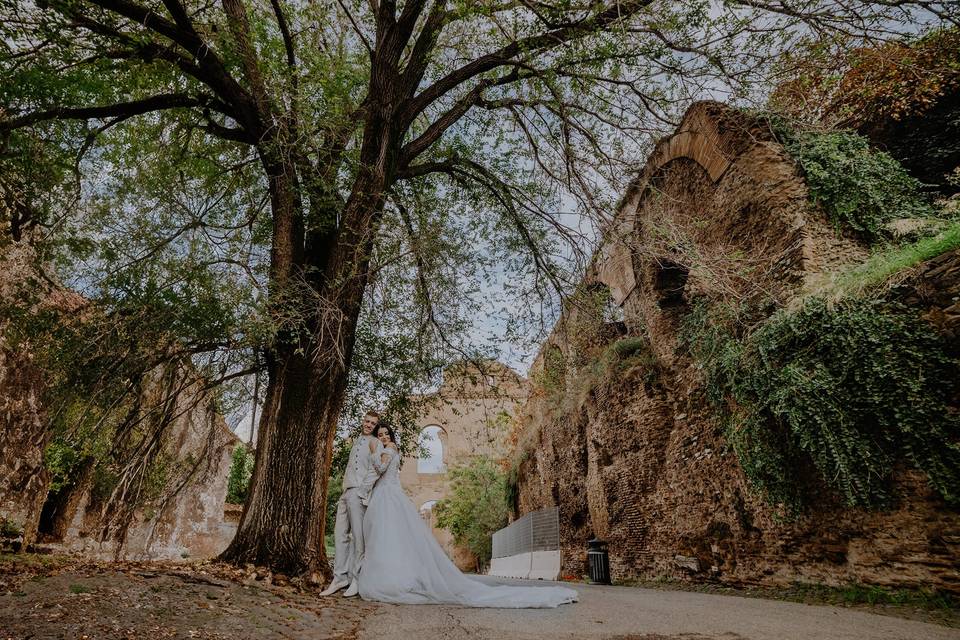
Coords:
404,564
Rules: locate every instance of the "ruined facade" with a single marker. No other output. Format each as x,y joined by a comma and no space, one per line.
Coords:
469,415
185,516
640,460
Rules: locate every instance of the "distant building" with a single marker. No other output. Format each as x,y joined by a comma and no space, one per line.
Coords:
470,414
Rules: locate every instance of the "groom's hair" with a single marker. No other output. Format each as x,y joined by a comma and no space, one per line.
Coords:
373,413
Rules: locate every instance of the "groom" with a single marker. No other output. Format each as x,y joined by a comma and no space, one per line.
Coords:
358,481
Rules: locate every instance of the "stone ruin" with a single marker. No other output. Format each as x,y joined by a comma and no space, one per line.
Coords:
187,518
641,461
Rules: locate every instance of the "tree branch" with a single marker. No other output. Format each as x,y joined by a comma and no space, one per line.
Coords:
612,13
120,110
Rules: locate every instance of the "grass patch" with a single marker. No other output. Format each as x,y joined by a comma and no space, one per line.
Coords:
883,265
79,588
34,560
942,607
869,594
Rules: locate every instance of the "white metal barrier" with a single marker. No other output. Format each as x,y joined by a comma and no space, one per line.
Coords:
529,547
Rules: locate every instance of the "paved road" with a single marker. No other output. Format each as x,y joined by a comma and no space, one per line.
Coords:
629,613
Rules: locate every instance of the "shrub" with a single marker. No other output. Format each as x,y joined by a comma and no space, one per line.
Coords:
848,389
630,346
238,481
859,188
476,507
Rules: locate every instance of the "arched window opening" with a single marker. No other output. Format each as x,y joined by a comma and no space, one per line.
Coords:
426,511
431,458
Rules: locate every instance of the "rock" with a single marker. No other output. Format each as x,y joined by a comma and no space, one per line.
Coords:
689,563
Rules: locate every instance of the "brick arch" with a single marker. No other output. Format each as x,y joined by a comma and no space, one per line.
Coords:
732,148
695,145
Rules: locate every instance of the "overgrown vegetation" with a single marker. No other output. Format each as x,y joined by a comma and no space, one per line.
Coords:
241,468
9,528
848,390
849,86
476,506
885,264
860,188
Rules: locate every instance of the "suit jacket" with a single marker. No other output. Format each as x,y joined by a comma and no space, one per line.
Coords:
360,472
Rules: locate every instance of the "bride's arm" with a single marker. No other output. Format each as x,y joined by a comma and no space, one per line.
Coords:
383,460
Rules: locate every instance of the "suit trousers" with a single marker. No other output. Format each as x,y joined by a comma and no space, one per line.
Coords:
348,535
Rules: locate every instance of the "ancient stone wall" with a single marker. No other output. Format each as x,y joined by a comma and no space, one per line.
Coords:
24,433
186,519
473,410
934,288
638,457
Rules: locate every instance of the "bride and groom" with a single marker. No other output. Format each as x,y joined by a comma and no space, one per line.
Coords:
384,550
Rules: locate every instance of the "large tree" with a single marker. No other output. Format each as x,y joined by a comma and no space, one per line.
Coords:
362,123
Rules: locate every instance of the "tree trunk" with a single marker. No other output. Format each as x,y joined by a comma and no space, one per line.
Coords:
283,521
282,524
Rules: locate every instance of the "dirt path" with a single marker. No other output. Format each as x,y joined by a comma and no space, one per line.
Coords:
630,613
154,600
50,597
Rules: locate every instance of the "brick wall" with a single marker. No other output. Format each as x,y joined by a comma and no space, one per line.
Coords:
639,459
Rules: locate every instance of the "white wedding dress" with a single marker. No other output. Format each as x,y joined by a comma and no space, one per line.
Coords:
404,564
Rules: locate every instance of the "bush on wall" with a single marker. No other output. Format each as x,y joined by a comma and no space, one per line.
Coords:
859,188
849,389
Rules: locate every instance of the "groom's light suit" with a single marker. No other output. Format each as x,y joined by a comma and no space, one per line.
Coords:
358,480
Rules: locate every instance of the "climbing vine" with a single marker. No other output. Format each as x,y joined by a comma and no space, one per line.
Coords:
847,390
859,188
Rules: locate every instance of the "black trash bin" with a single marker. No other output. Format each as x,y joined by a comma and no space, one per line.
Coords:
598,561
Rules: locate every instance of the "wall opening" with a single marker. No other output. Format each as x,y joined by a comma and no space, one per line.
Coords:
431,445
669,281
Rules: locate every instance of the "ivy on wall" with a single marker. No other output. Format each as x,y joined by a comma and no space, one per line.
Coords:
848,390
860,188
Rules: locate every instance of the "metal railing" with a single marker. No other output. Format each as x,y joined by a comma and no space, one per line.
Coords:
536,531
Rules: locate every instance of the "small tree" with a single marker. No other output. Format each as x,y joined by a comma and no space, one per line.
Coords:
238,482
477,506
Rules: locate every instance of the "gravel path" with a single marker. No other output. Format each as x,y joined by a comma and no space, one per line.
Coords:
645,614
94,601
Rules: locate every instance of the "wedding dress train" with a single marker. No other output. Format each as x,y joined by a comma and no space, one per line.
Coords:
404,564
